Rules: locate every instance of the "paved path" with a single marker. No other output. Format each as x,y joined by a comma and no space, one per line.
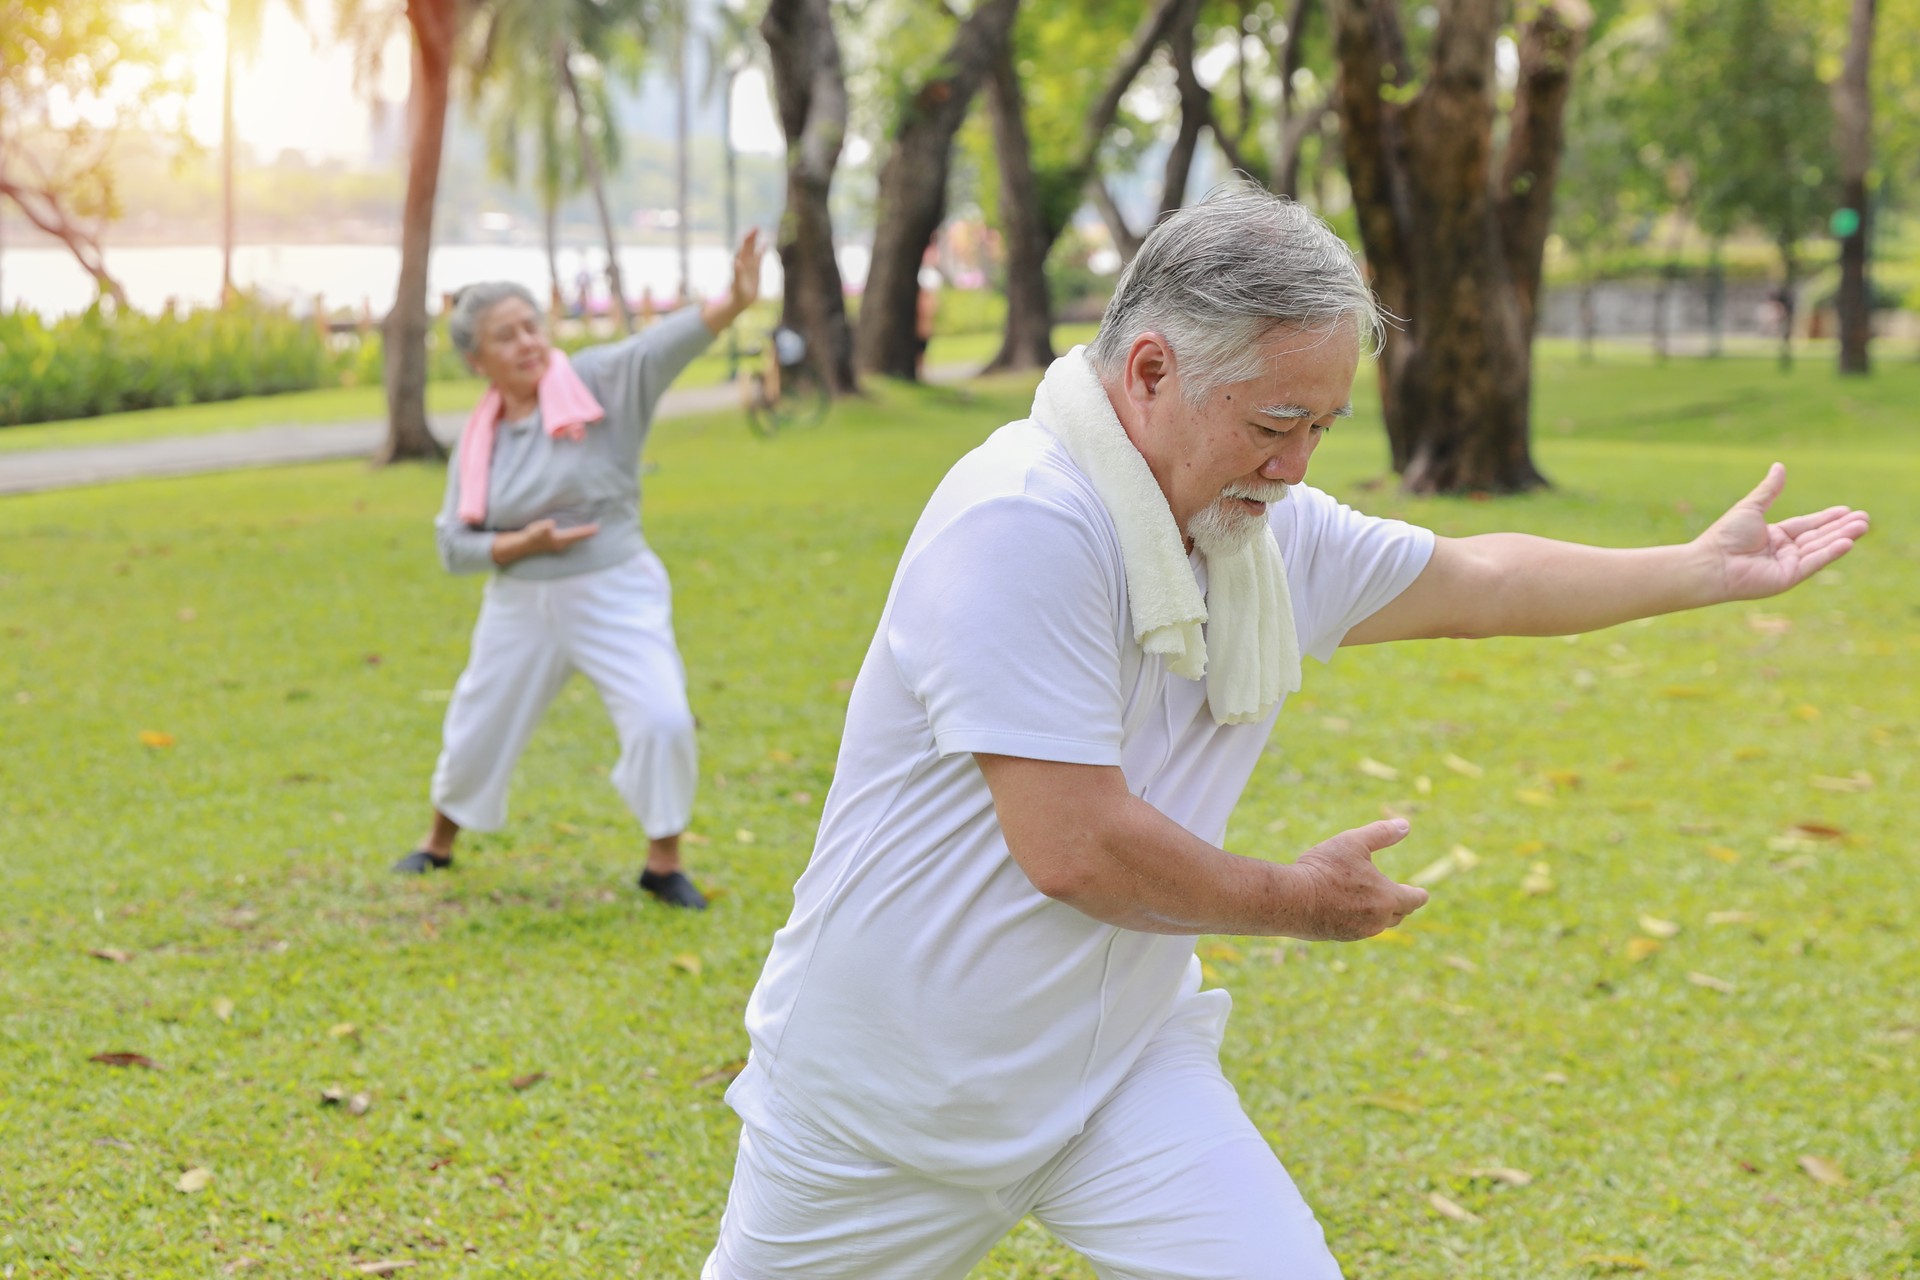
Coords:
32,470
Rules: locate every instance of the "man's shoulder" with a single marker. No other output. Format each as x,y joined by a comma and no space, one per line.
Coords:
1020,483
1022,461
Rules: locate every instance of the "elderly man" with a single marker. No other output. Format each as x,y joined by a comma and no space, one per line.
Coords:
986,1002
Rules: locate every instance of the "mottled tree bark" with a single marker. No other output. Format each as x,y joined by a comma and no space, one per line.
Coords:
913,189
1027,341
434,24
810,90
1853,129
1453,232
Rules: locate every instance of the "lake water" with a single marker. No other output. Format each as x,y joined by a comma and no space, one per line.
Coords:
49,281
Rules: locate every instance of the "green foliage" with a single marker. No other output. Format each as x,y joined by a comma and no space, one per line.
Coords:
291,632
100,363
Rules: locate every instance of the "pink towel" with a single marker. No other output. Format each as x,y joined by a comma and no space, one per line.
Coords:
566,407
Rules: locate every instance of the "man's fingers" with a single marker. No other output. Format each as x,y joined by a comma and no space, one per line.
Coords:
1769,488
1813,520
1376,836
1412,898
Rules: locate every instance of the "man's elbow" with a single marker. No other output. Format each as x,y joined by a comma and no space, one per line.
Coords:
1063,875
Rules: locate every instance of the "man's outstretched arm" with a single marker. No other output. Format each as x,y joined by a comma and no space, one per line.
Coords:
1510,584
1085,840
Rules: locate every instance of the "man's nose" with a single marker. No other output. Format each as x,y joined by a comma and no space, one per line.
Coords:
1289,464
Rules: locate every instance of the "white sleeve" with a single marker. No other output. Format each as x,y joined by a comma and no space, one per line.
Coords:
1002,625
1343,566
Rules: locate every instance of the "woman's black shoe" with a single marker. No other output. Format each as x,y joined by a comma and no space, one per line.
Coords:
674,889
419,862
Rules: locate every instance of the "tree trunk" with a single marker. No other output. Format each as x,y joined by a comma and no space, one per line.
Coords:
1289,132
1716,302
226,167
1586,318
1789,284
913,189
1196,108
44,209
556,300
405,338
590,165
682,138
1452,250
810,91
1853,128
1126,242
1027,342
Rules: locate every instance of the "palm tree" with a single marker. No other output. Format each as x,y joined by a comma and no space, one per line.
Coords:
567,52
244,20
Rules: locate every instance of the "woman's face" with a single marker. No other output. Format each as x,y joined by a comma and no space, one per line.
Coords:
513,348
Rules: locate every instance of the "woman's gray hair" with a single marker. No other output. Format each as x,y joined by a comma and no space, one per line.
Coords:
1218,276
473,302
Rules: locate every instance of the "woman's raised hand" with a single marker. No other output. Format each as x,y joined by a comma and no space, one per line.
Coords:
744,288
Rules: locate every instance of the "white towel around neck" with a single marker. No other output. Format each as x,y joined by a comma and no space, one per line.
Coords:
1256,652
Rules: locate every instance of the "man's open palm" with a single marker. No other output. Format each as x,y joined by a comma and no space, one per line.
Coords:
1761,559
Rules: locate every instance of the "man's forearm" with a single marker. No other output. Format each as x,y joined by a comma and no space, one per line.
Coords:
1539,587
1141,870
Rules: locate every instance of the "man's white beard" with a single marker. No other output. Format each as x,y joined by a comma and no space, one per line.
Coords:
1224,527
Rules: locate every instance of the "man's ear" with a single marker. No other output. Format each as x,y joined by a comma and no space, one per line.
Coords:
1149,361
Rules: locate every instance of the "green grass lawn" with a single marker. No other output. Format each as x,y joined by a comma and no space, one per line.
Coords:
1732,773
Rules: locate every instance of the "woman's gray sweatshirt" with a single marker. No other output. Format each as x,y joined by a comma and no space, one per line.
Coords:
535,476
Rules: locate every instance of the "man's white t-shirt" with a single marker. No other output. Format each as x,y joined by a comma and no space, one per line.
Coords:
925,1004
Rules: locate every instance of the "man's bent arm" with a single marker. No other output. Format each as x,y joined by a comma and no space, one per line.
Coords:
1510,584
1085,840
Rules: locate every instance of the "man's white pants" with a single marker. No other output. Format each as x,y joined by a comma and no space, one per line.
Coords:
613,625
1168,1181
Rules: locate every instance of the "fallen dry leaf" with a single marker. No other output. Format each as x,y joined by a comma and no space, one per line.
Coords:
1565,779
332,1096
528,1080
687,962
1729,917
1711,983
1374,769
343,1031
1527,848
1721,853
1423,784
1399,1102
724,1073
1655,927
1461,963
1533,796
1448,1209
1538,881
1823,1170
155,738
194,1180
125,1060
1639,949
1858,781
385,1267
743,836
1770,624
780,755
1465,768
114,954
359,1104
1816,831
223,1009
1807,711
1617,1261
1553,1077
1335,724
695,839
1501,1173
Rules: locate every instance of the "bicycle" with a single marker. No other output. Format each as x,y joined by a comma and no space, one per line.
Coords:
786,390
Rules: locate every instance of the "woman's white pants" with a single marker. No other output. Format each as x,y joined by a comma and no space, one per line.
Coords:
615,626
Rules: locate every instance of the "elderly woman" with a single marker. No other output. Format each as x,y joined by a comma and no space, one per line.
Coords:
544,492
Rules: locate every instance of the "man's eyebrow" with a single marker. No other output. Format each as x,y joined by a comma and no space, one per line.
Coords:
1293,411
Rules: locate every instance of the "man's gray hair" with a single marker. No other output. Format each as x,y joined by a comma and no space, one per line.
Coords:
473,302
1218,276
